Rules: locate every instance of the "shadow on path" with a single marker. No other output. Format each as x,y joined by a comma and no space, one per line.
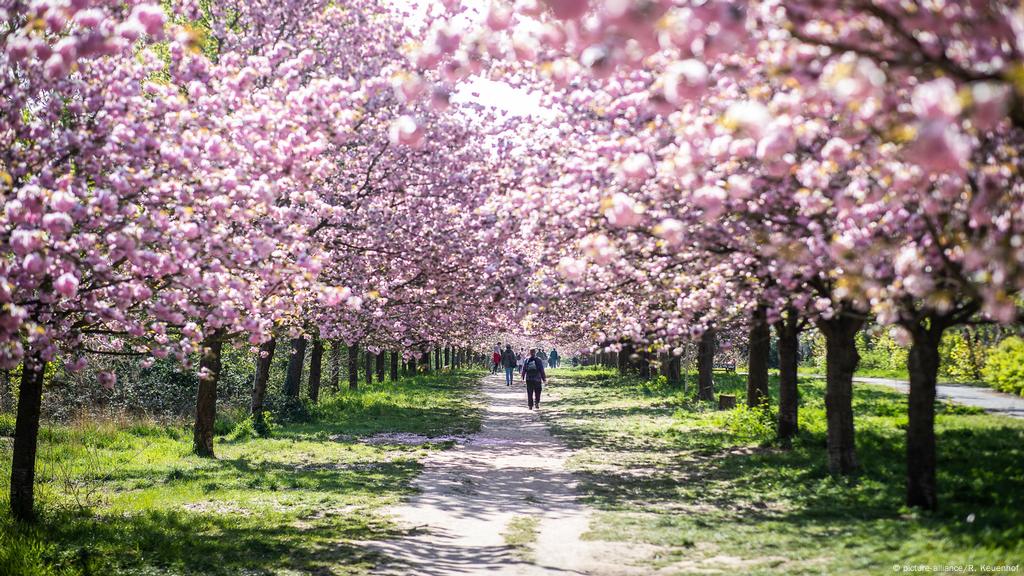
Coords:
469,494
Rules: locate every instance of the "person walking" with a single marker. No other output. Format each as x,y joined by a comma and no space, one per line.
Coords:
495,361
553,358
508,361
533,373
519,361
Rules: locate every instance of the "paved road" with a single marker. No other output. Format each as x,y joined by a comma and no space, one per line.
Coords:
985,398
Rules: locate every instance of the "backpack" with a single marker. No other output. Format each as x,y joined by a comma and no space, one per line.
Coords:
532,368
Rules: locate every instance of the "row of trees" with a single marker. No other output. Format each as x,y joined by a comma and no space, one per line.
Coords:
760,165
178,178
183,177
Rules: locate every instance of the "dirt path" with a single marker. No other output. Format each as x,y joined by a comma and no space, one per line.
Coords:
468,495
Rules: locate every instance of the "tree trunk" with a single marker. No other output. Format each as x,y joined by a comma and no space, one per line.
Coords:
293,379
788,331
206,399
675,369
841,360
757,359
447,357
335,364
437,358
425,361
645,365
26,437
368,367
259,385
353,366
394,366
315,367
923,366
412,365
381,366
623,358
705,364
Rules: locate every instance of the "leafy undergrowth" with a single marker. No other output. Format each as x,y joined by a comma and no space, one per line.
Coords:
714,492
131,499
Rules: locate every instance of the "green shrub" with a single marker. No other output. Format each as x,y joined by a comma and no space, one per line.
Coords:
244,430
1004,368
750,424
881,353
227,420
289,408
962,356
6,424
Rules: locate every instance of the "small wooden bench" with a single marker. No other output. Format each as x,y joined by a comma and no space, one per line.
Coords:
724,367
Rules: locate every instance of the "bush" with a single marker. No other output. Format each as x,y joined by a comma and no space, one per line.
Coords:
6,424
963,356
288,408
1004,368
881,353
749,424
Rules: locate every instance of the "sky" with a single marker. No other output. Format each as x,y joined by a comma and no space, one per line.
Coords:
497,94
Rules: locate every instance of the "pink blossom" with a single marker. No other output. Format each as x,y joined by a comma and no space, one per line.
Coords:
991,102
749,116
568,9
67,285
940,148
440,98
406,131
623,211
684,81
936,100
836,149
740,186
410,87
571,269
499,16
25,241
672,231
58,224
107,380
711,199
90,18
34,264
777,143
637,168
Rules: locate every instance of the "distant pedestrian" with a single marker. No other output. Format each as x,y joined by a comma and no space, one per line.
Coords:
508,361
553,358
533,373
519,361
495,361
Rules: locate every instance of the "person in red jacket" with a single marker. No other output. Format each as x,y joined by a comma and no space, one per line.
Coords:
496,359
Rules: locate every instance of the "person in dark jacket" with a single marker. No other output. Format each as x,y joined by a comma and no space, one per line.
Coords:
508,361
533,373
553,358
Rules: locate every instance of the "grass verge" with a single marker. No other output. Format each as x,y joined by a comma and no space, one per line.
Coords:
131,499
710,491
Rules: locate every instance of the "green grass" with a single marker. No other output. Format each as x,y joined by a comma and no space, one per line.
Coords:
520,533
126,498
712,491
